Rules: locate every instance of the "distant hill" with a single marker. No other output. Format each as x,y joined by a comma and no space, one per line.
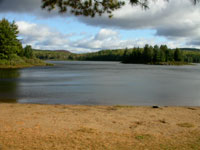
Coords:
65,51
190,49
190,55
52,54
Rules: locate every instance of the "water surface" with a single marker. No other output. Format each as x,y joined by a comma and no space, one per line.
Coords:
102,83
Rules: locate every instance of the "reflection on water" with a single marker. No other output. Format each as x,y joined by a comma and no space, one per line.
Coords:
9,73
102,83
8,85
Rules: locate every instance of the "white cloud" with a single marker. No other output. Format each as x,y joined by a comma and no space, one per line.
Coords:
110,39
105,33
176,21
43,37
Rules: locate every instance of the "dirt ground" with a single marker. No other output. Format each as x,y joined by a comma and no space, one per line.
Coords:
66,127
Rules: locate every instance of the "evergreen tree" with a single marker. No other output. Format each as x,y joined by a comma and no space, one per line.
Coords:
28,51
125,56
156,56
177,55
162,56
148,53
163,47
165,52
145,53
9,44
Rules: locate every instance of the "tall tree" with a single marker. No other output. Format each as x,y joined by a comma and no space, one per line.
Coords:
148,53
177,55
156,56
9,44
28,51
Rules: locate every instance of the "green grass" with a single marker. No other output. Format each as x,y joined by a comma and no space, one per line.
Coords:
143,137
191,144
171,63
123,106
22,62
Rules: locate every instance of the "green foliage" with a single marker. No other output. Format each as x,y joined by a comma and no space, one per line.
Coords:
85,8
155,55
12,55
104,55
9,44
53,55
28,51
177,55
148,55
21,62
92,7
143,137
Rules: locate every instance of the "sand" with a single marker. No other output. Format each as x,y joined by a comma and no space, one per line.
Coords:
66,127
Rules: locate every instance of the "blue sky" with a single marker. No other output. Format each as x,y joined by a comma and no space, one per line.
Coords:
172,23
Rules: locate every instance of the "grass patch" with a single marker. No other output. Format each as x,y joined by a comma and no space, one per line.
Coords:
167,147
143,137
185,125
171,63
195,145
22,62
123,106
191,143
48,64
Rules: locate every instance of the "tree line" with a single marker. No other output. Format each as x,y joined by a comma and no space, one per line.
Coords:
150,54
52,54
147,55
159,55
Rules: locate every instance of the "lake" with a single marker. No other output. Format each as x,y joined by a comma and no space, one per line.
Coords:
102,83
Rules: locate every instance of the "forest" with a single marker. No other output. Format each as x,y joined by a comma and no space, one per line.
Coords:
52,54
160,55
148,55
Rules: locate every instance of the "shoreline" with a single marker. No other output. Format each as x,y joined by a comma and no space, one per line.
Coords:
24,66
43,126
23,63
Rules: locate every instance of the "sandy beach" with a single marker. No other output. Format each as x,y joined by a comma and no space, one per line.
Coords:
64,127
